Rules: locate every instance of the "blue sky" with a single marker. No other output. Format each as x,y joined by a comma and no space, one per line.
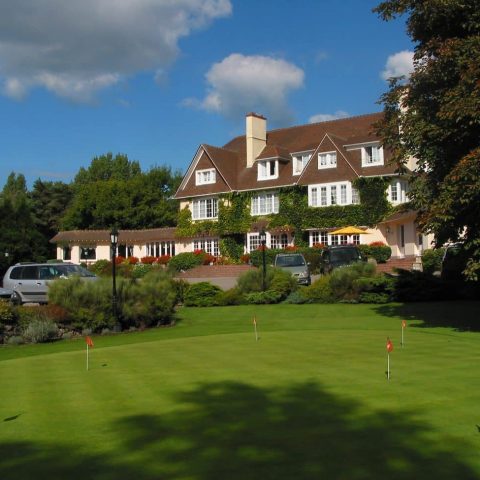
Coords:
155,78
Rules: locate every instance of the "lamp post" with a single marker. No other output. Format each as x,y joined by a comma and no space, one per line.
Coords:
113,244
263,241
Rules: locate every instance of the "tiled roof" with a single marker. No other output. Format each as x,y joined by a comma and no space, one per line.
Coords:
124,236
231,160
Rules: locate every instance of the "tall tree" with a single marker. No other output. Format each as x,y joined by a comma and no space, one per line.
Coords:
49,202
434,116
128,198
18,236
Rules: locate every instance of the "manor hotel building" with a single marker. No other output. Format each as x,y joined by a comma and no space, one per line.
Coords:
325,158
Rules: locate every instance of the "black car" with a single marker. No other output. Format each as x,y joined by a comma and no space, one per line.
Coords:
336,256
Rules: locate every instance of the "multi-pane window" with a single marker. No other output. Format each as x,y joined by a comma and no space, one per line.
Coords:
355,196
317,237
158,249
279,241
88,253
204,208
355,239
267,169
338,193
209,245
323,196
372,155
205,176
397,191
333,195
253,241
327,160
264,204
299,163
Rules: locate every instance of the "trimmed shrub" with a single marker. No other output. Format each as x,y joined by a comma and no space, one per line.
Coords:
148,302
8,314
140,270
342,280
88,304
101,267
267,297
421,287
231,297
432,260
319,291
377,250
256,257
40,330
283,283
185,261
202,294
297,297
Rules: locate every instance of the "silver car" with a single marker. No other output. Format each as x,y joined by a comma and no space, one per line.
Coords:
29,281
295,264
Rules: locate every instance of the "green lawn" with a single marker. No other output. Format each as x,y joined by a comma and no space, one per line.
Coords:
203,400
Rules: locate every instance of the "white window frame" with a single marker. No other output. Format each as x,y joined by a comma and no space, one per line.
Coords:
205,176
327,160
325,238
374,159
300,162
264,203
264,168
208,245
202,213
324,194
400,187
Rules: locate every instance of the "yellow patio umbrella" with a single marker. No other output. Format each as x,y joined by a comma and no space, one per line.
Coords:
349,231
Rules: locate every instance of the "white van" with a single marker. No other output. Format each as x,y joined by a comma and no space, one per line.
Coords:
29,281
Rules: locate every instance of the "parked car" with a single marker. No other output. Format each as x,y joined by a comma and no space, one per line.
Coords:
29,281
295,264
337,256
5,293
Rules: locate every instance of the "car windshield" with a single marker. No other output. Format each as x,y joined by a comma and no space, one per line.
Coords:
344,255
70,270
290,261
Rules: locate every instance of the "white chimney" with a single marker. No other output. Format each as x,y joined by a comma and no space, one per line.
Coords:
256,135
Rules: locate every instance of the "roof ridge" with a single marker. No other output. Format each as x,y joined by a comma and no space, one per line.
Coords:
219,148
335,120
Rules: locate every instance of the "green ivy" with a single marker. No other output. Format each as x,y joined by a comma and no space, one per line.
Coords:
294,213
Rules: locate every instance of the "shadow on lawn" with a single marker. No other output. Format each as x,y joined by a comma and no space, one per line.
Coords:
460,315
234,431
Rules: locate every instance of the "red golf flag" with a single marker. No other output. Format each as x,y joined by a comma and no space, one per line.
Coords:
89,341
389,345
404,323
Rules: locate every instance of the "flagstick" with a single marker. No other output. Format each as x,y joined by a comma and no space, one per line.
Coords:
388,366
87,357
402,335
255,326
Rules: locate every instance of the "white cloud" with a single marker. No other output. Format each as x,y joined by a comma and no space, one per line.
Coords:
75,48
324,117
240,84
398,65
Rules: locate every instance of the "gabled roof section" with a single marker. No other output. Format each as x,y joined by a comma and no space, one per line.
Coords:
274,152
207,156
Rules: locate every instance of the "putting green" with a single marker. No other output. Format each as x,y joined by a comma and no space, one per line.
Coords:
205,400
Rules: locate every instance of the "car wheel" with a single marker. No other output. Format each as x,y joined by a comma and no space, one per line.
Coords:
16,299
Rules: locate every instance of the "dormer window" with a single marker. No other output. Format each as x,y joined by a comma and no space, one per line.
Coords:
327,160
204,177
372,155
300,162
267,169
